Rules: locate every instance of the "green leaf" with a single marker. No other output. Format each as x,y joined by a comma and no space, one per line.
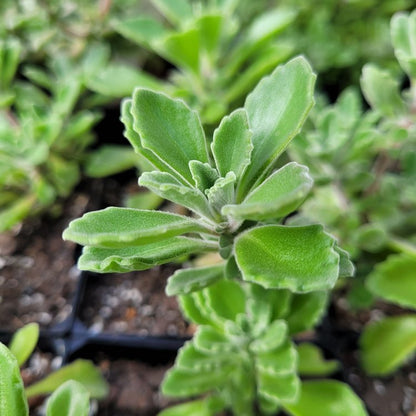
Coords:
386,344
278,388
395,280
143,257
179,382
143,30
346,267
120,80
182,49
171,130
276,110
12,394
143,200
210,27
301,259
10,51
282,360
110,159
196,407
403,33
312,362
209,341
222,192
382,91
70,399
306,310
189,280
168,187
15,212
204,174
271,339
231,146
326,397
82,371
123,227
176,11
279,195
24,342
192,310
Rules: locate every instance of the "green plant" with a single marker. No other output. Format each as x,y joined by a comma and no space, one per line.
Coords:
217,56
71,386
270,281
364,166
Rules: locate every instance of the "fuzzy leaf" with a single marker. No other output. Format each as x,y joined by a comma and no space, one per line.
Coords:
279,195
24,342
189,280
277,387
312,362
388,343
70,399
143,257
271,339
167,186
326,397
282,360
191,310
346,267
196,407
301,259
222,192
123,227
204,174
395,280
382,91
12,394
232,145
306,310
276,110
208,340
170,129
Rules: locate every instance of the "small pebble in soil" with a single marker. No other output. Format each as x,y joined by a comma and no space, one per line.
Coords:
379,387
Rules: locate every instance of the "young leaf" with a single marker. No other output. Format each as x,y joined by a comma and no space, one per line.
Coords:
123,227
82,371
312,362
170,129
276,110
301,259
395,280
188,280
326,397
12,394
282,360
346,267
204,174
386,344
271,339
210,27
222,192
70,399
210,341
167,186
143,257
24,342
279,195
278,388
232,145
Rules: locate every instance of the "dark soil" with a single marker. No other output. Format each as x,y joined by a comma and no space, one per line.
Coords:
133,303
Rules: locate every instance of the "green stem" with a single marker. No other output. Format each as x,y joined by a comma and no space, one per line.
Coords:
402,246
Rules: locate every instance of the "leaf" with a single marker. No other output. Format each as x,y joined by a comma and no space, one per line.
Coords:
110,159
189,280
176,11
279,195
281,361
231,146
222,192
346,267
179,382
24,342
168,187
326,397
191,310
182,49
382,91
301,259
70,399
385,345
278,388
395,280
271,339
15,212
143,200
144,31
123,227
210,28
143,257
196,407
276,110
120,80
12,395
210,341
403,32
204,174
312,362
306,310
171,130
82,371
